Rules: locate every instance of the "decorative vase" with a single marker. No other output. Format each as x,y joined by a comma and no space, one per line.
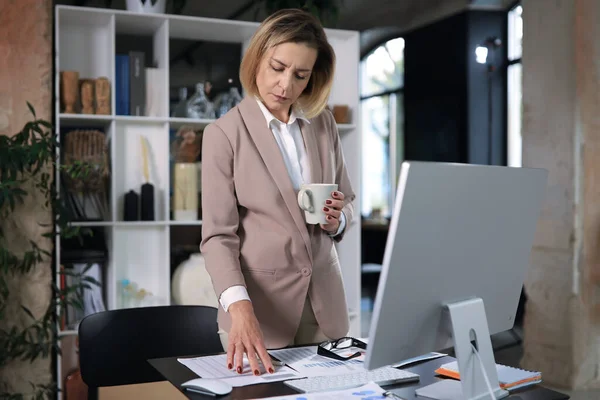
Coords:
185,188
140,6
69,89
102,91
191,284
86,87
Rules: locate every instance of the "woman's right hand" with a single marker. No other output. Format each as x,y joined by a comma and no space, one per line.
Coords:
245,337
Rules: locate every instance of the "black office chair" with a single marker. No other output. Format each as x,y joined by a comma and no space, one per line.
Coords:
114,346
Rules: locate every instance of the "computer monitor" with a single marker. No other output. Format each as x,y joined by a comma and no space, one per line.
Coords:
455,261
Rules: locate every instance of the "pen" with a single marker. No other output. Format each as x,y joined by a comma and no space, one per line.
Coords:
392,394
276,362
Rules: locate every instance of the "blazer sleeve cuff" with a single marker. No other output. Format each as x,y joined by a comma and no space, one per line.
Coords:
224,270
233,294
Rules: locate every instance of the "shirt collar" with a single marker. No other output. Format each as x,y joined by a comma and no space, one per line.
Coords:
295,114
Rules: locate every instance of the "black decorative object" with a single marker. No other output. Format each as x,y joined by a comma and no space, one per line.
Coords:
131,209
147,202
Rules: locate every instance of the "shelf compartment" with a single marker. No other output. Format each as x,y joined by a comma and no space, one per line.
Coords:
141,255
85,44
88,197
144,52
129,23
210,30
128,165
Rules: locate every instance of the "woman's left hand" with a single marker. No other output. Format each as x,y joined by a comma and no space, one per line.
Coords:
333,210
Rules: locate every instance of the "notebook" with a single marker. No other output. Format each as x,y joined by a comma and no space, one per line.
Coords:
509,378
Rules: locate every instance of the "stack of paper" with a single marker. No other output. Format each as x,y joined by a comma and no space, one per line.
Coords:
306,361
509,378
298,362
214,367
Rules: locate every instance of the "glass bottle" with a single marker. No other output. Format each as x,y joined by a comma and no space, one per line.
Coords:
180,110
198,106
234,97
222,104
226,101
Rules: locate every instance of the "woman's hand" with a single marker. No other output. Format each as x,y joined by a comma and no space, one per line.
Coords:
245,337
333,210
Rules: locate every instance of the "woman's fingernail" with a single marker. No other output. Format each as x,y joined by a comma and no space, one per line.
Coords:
335,194
256,372
239,370
229,366
329,217
328,202
271,370
325,209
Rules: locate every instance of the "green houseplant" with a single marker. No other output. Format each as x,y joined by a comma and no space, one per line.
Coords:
27,167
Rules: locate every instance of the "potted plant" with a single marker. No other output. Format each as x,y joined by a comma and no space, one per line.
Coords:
27,165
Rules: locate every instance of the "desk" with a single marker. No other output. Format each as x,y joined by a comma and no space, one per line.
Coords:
177,373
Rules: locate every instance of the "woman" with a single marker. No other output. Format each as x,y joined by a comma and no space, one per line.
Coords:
277,278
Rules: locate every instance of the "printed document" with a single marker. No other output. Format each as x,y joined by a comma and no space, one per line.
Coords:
307,362
215,367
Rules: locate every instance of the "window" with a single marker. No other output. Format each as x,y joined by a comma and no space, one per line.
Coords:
382,81
514,86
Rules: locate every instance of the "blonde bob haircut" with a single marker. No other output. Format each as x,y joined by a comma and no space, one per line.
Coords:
295,26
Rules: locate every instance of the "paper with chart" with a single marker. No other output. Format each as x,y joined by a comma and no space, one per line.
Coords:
214,367
307,362
369,391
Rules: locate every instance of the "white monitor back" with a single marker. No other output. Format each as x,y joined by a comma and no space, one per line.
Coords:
457,232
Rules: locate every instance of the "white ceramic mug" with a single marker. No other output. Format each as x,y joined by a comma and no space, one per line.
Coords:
312,197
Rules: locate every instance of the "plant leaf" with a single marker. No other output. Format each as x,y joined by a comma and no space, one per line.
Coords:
31,108
28,312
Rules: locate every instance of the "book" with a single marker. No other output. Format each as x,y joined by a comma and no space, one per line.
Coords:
155,92
137,83
509,378
122,84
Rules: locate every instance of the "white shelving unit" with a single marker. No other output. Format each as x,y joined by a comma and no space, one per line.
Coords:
140,250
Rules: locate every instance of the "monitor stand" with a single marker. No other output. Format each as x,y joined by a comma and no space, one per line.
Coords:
468,318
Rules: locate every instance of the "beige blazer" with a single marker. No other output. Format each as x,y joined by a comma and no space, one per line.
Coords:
254,232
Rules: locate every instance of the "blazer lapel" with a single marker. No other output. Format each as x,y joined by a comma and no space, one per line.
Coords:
273,159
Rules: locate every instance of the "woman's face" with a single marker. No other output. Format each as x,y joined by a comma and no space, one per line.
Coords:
283,75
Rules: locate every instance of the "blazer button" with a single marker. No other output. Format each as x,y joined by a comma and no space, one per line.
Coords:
305,271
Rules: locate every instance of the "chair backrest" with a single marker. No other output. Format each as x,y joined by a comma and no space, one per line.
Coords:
114,346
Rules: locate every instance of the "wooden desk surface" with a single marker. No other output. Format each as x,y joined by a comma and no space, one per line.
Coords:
177,373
